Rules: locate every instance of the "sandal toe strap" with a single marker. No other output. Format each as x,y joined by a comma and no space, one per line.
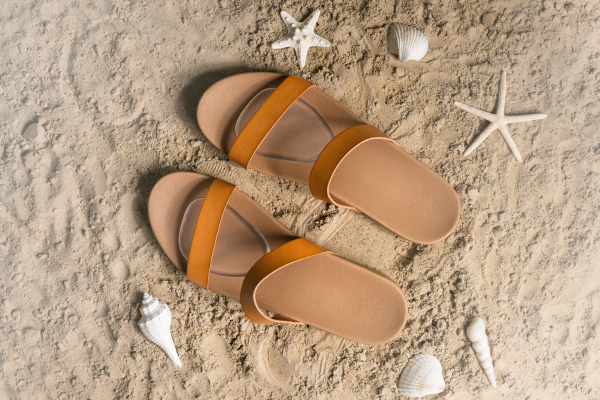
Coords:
205,233
265,119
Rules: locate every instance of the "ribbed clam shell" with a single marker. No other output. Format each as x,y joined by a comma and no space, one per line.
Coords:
422,376
406,42
479,341
155,324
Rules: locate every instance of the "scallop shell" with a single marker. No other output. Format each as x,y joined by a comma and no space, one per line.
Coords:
406,42
422,376
479,341
155,324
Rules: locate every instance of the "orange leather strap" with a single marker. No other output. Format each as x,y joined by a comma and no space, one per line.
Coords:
333,154
205,233
280,257
265,118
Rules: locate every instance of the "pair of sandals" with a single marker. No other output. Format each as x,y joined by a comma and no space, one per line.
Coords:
286,127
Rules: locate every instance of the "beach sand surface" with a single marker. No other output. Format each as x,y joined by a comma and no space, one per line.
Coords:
97,102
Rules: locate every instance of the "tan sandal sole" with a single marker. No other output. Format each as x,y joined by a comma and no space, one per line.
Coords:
324,291
379,179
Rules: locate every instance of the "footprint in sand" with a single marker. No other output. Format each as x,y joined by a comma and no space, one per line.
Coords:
273,366
217,360
120,271
95,78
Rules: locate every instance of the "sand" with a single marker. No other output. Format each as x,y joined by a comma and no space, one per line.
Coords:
97,102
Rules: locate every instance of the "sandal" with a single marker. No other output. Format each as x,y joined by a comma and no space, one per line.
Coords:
286,127
227,243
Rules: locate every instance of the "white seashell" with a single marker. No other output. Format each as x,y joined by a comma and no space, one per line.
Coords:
156,326
406,42
422,376
479,340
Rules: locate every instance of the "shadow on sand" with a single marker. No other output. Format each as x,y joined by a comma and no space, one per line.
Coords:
187,102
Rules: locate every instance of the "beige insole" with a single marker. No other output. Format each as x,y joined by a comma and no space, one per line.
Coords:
378,179
324,291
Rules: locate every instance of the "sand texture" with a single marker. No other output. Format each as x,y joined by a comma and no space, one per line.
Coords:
97,102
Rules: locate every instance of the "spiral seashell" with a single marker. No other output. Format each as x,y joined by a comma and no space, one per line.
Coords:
422,376
479,341
406,42
155,324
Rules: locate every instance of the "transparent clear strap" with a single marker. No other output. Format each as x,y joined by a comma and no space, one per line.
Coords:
300,134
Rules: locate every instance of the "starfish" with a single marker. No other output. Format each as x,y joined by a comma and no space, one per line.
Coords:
498,121
301,36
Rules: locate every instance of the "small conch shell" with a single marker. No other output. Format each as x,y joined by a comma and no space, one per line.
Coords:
155,324
479,340
422,376
406,42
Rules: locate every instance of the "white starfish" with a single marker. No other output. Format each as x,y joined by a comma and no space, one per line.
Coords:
498,120
300,36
